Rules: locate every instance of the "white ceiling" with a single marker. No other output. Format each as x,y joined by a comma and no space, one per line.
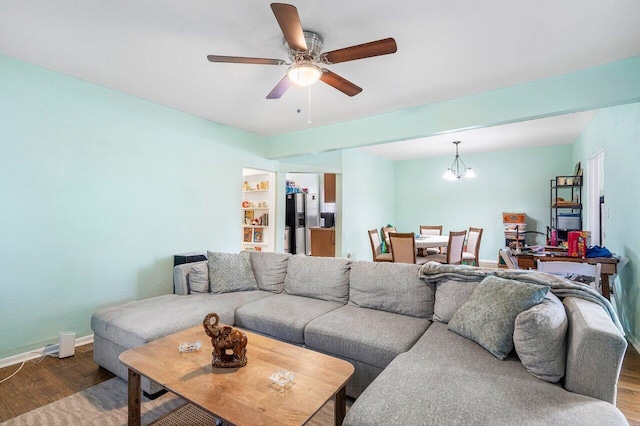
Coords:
559,130
156,50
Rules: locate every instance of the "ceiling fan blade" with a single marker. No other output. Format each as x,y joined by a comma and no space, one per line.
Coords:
243,60
343,85
289,21
361,51
281,87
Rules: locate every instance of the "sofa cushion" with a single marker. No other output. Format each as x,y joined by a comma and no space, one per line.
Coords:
446,379
540,339
137,323
450,296
489,315
230,272
270,269
368,335
391,287
198,278
283,316
325,278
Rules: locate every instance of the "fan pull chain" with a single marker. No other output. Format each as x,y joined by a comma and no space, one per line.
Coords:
309,120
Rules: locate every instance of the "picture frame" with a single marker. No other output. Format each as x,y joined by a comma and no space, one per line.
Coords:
257,235
248,235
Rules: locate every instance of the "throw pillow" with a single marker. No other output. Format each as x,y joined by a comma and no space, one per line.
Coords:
450,296
270,269
230,272
540,339
391,287
489,315
198,279
325,278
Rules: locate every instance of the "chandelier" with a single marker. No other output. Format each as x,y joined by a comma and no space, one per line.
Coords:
455,171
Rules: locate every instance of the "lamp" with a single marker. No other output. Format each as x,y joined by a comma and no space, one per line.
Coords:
453,172
304,74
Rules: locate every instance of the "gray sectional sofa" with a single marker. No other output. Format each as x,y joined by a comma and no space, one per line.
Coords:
392,325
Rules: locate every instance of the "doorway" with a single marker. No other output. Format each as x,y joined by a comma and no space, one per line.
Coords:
596,207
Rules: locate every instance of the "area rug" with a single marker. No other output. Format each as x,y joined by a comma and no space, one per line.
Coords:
106,404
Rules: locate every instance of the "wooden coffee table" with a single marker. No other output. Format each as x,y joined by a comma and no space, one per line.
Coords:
240,396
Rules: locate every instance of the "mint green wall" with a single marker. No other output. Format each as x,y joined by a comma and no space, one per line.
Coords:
98,190
617,130
368,196
507,181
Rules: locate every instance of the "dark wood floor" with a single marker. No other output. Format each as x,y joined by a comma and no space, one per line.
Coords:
41,383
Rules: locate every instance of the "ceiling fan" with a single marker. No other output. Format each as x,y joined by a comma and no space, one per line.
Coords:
306,59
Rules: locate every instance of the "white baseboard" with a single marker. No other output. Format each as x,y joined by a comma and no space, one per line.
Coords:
37,353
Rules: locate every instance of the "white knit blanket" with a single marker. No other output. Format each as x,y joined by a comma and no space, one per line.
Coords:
561,287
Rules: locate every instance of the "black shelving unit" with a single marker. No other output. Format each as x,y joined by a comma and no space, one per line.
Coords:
563,187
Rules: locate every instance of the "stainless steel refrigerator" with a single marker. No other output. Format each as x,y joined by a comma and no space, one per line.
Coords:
302,214
295,219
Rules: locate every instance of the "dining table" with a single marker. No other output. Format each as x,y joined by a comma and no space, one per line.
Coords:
423,242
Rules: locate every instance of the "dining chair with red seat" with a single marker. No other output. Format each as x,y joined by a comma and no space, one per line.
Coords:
453,256
376,248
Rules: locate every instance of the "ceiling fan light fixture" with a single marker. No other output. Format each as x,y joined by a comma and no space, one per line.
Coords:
304,74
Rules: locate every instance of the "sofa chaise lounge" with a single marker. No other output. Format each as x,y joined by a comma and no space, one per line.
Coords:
395,327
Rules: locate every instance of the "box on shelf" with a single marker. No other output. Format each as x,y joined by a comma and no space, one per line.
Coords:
515,218
570,221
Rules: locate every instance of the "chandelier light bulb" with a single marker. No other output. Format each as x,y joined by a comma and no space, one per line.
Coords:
470,173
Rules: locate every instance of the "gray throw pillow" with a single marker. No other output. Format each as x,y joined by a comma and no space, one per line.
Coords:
325,278
199,278
230,272
489,315
270,269
540,339
391,287
450,296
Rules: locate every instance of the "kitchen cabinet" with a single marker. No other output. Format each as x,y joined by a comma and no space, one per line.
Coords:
323,242
329,187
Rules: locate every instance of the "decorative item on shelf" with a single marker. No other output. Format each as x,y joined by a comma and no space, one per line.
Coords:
453,172
245,204
257,235
245,186
229,344
248,217
248,235
264,185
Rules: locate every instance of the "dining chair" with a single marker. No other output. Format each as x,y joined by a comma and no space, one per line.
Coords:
376,247
453,256
573,269
508,258
470,255
385,232
431,230
403,248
